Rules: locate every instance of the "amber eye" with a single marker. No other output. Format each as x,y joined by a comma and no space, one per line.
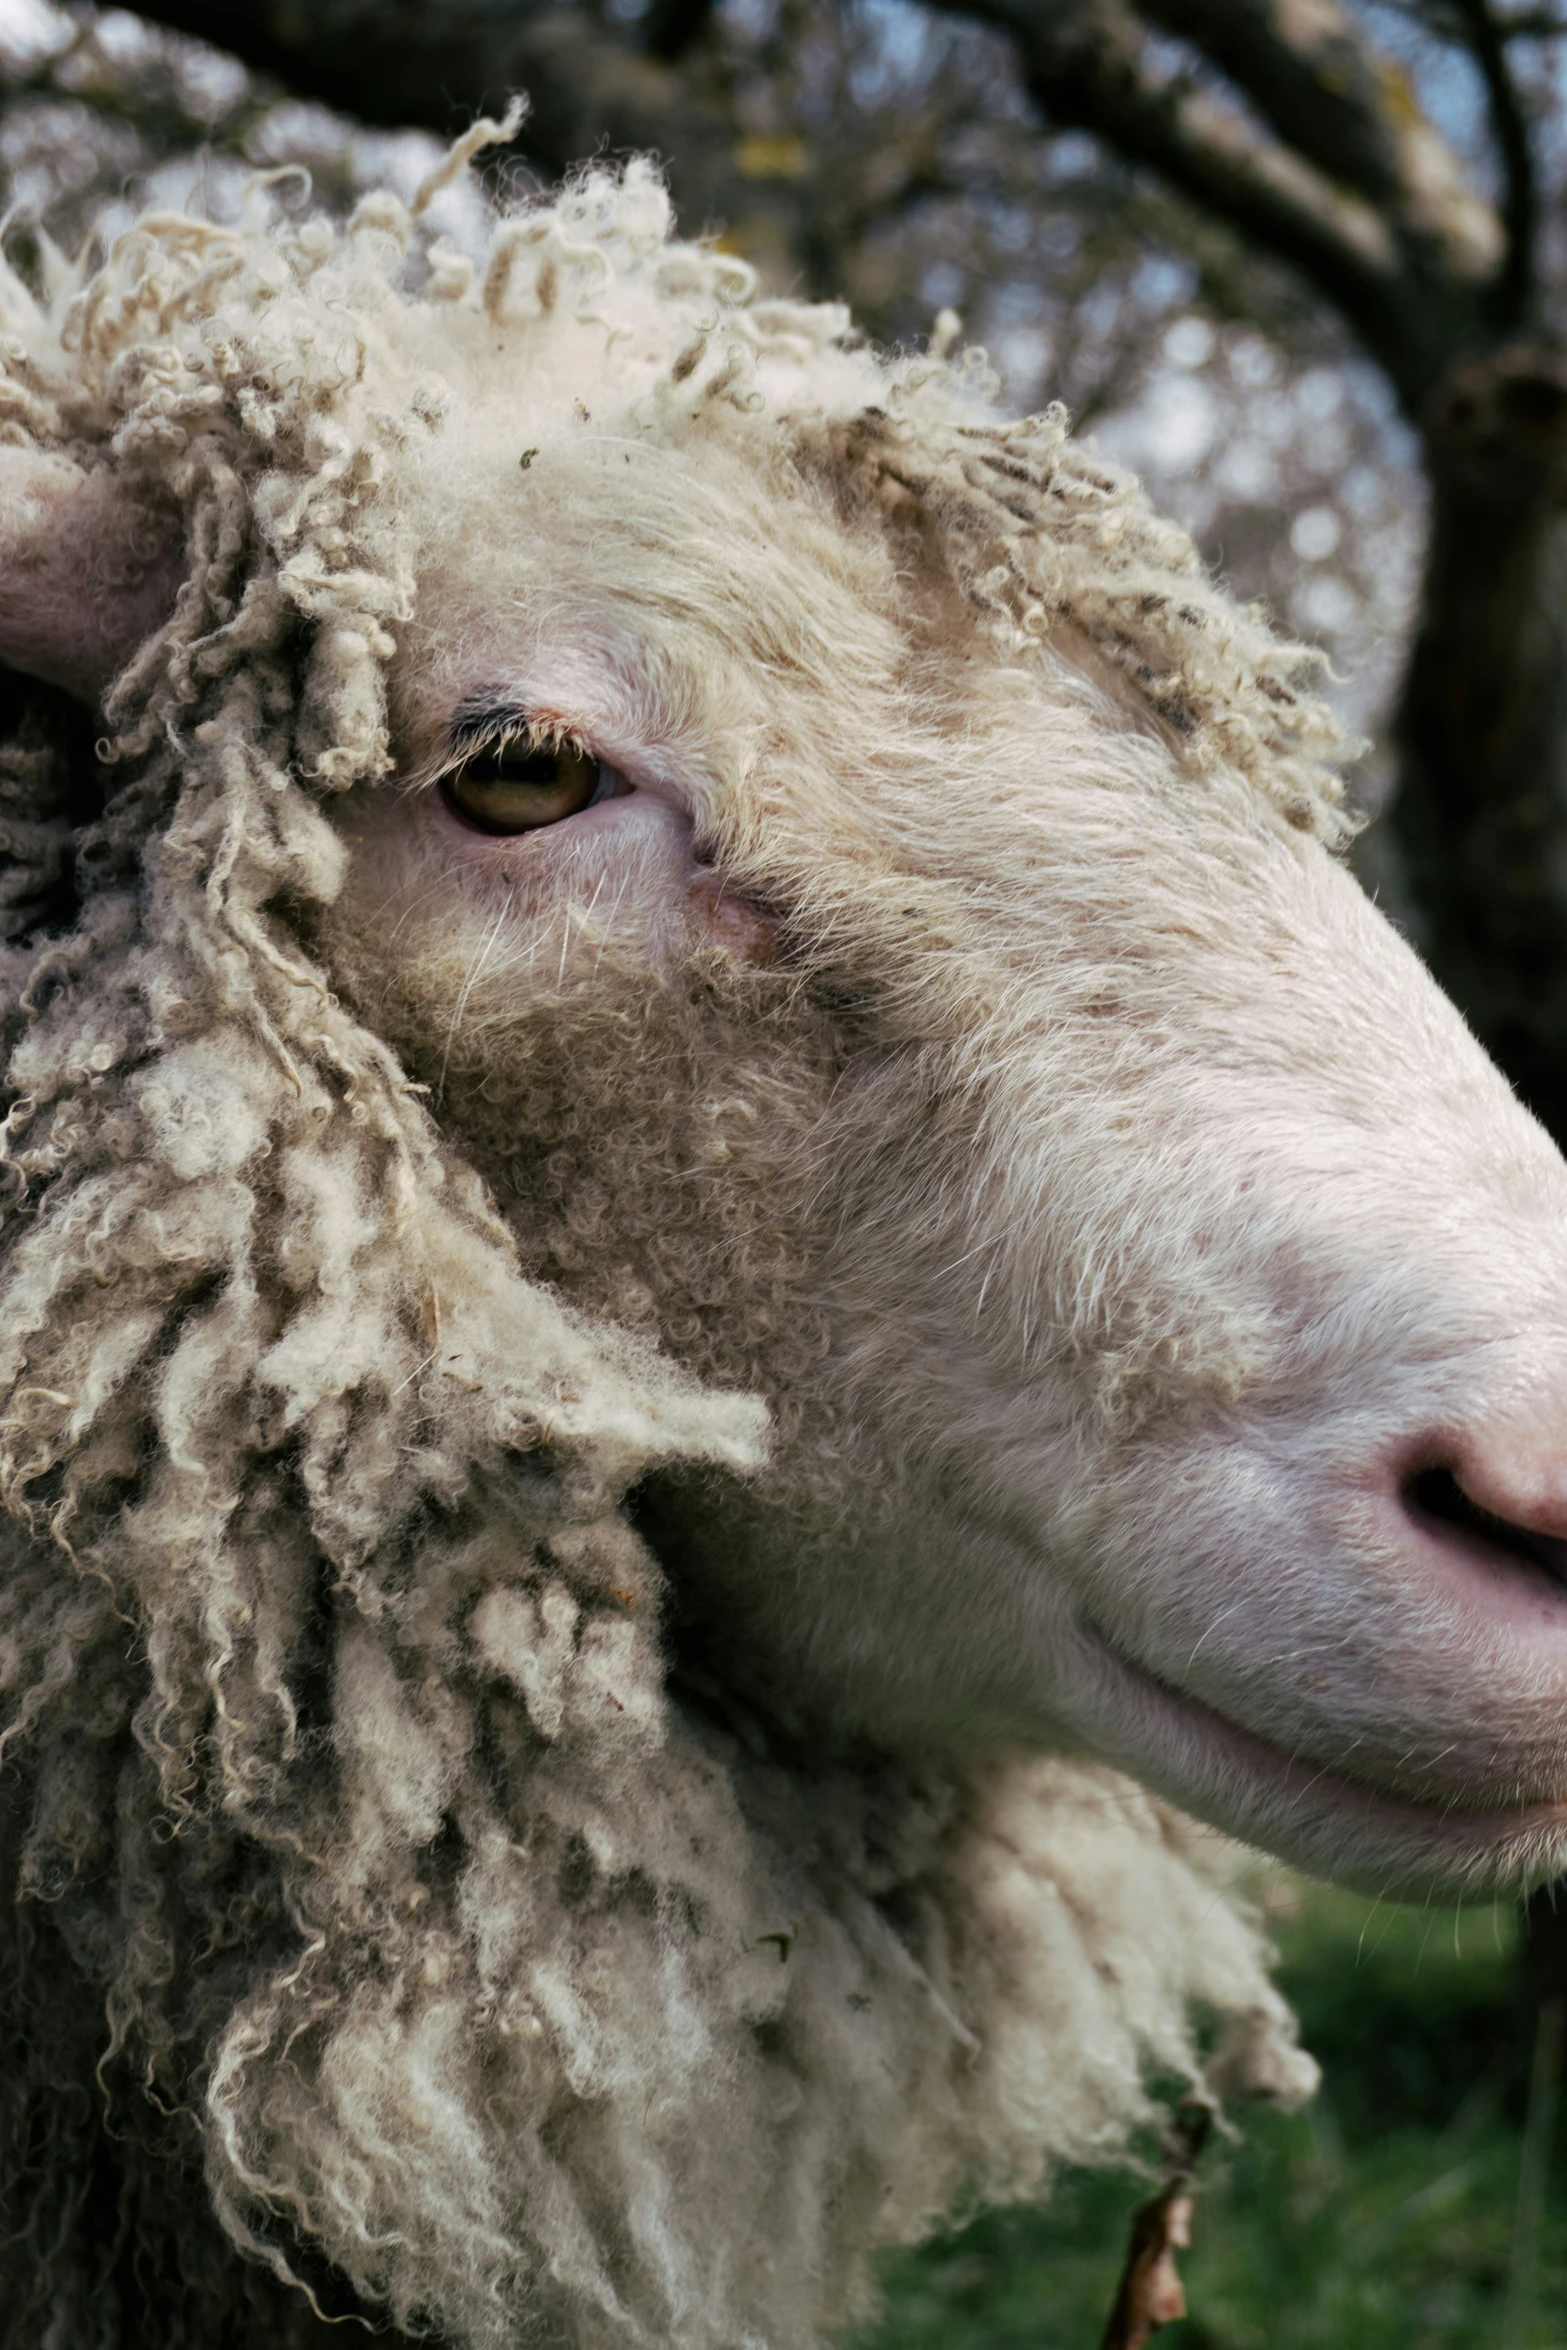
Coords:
522,786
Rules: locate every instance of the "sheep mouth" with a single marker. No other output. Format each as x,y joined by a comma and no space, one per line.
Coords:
1348,1830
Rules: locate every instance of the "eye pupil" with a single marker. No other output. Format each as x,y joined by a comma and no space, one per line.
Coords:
489,767
521,786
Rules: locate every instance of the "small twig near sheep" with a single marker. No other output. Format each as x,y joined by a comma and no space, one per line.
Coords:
1149,2294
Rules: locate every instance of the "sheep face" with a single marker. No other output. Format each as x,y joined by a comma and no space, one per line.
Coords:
1151,1282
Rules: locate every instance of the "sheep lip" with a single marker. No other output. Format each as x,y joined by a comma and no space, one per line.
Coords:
1299,1808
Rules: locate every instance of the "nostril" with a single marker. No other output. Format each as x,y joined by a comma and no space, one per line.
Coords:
1434,1497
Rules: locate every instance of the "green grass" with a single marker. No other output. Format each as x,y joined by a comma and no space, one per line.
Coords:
1381,2218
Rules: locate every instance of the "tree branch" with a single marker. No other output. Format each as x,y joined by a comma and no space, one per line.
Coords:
1085,67
1309,74
1357,190
407,63
1525,24
1510,128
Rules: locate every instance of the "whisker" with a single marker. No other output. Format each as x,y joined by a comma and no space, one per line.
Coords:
475,969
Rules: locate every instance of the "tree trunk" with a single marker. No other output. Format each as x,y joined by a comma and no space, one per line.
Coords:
1481,810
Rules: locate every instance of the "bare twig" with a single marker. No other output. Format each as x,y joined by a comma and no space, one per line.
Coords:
1150,2294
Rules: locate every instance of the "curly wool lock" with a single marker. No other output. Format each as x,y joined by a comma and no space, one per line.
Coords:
365,1862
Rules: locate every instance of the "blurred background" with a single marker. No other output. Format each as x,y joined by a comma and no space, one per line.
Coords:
1303,263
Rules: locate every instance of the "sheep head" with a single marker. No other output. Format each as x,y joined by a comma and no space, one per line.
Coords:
710,990
974,1049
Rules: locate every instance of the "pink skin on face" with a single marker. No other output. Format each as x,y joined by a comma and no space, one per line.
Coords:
84,577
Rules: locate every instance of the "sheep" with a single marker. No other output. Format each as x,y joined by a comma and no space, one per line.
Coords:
731,1266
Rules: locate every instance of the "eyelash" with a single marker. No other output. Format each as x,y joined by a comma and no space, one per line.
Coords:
505,734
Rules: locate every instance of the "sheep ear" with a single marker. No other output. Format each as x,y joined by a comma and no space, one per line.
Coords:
85,574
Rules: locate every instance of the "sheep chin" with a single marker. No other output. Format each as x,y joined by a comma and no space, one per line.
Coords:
1321,1820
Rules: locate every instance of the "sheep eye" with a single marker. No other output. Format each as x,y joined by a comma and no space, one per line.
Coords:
521,786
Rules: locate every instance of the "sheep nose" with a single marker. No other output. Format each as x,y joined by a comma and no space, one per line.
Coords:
1505,1496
